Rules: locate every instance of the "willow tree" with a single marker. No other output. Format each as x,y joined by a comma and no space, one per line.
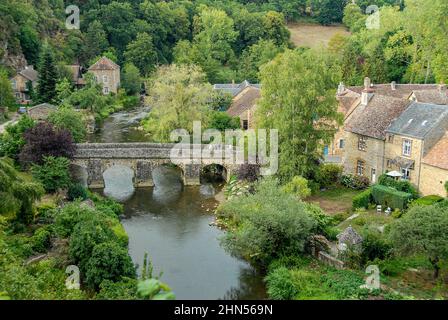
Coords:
178,96
17,196
298,99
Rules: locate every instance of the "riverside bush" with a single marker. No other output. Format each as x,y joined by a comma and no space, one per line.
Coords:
280,284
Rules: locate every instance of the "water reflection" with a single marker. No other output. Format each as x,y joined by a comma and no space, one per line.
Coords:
182,244
118,182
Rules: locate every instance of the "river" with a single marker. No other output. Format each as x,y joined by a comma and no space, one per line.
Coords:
171,222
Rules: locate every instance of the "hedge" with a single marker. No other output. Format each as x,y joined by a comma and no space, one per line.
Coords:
363,199
427,201
390,197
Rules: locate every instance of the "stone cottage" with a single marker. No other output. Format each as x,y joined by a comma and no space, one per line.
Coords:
245,96
107,74
20,84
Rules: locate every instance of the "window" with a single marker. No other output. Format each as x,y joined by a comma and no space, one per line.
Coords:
406,173
391,138
341,144
105,79
14,84
373,176
245,124
407,147
105,90
360,166
362,143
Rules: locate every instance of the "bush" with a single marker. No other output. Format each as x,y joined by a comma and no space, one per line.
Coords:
109,261
328,175
70,215
363,199
298,187
53,173
40,241
374,246
400,185
355,182
69,119
390,197
122,290
280,285
86,235
76,191
269,223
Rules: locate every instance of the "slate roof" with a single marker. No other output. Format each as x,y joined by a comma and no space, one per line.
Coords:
29,73
438,155
349,236
43,105
431,96
373,120
402,91
235,89
244,101
419,119
104,63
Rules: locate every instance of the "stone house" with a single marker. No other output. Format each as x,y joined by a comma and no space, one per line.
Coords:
244,103
20,84
107,74
76,71
434,169
41,111
411,136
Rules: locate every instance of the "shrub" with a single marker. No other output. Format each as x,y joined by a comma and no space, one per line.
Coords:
53,173
70,215
76,191
69,119
221,121
355,182
280,285
400,185
122,290
390,197
269,223
109,261
328,175
86,235
363,199
40,241
374,246
298,187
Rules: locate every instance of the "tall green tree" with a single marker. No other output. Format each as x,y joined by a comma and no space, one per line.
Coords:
6,94
141,53
299,100
131,80
48,76
95,40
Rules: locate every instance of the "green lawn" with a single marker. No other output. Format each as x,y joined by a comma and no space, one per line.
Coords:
337,200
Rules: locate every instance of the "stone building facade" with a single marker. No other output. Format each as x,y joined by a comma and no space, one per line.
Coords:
107,74
20,84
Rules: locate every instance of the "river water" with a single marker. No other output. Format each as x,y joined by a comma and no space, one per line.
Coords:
171,223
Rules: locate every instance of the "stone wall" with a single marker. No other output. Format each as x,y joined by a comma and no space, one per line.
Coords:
433,180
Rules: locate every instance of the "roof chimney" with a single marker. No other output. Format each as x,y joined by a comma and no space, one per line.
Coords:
367,83
393,85
341,88
30,67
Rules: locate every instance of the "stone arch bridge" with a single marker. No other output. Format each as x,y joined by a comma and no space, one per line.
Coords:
143,158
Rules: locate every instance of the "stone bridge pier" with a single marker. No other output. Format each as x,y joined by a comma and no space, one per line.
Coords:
141,158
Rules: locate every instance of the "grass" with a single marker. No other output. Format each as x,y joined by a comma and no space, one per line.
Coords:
365,219
313,35
336,200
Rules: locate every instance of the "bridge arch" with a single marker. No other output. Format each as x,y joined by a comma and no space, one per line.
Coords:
118,181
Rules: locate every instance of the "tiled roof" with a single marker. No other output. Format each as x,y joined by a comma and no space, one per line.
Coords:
29,73
438,155
235,89
373,120
419,119
244,101
347,100
104,63
431,96
402,91
43,105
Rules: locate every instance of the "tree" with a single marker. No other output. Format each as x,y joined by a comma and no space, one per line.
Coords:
109,261
275,28
298,100
53,174
6,94
46,88
12,141
141,53
63,90
179,95
423,230
68,119
95,40
329,11
298,187
45,140
221,121
130,79
30,44
17,195
354,19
